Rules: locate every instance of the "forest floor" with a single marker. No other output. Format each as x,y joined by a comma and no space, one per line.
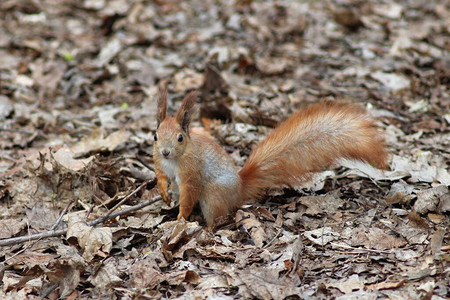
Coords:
78,86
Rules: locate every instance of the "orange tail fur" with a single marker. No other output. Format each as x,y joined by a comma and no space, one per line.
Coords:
311,140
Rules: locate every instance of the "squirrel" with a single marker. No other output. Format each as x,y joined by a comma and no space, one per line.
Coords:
309,141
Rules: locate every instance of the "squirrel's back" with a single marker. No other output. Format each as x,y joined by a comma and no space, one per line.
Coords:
309,141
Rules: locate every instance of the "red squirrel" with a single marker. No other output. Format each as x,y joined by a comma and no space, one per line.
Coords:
309,141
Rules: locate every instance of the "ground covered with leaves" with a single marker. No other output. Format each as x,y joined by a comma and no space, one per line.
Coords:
80,215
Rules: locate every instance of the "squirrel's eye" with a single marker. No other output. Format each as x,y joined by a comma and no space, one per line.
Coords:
180,138
155,137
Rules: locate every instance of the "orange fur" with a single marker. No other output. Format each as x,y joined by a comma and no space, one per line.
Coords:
309,141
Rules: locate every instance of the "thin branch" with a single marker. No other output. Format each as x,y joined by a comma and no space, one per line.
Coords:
144,184
61,215
275,237
32,237
144,164
359,250
16,131
53,233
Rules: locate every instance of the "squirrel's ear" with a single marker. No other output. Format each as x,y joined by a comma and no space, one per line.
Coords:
162,104
184,114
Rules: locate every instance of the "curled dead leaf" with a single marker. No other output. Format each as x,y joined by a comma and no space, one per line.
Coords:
93,241
386,285
96,142
252,226
322,236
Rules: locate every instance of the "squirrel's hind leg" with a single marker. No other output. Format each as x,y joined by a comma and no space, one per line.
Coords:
218,201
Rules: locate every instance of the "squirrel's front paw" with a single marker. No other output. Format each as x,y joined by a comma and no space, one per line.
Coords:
166,197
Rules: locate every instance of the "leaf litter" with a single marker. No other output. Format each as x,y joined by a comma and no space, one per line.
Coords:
77,116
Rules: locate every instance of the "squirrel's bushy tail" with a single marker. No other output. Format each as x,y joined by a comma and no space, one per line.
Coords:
311,140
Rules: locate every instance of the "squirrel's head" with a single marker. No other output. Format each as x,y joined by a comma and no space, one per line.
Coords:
172,134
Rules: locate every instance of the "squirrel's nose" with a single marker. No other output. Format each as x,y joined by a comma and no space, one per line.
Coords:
165,152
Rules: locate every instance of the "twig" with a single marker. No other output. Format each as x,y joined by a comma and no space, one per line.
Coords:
61,215
273,239
48,290
32,237
360,250
53,233
19,252
126,198
16,131
144,164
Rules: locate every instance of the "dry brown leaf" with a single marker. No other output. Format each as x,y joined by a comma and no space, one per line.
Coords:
146,274
6,107
378,239
261,283
29,259
188,79
328,204
65,157
144,221
347,17
436,241
107,276
272,65
108,52
386,285
42,216
93,241
436,218
66,275
11,227
179,232
428,200
176,278
322,236
96,141
264,213
353,283
289,258
417,220
252,226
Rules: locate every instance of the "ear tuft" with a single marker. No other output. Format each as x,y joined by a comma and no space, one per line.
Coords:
162,104
184,114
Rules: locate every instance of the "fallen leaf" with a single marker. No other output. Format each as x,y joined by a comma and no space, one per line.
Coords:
353,283
327,204
93,241
252,226
258,282
6,107
374,238
108,52
436,241
322,236
386,285
428,200
272,65
176,278
96,142
11,227
146,274
65,274
107,276
66,157
188,79
391,81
